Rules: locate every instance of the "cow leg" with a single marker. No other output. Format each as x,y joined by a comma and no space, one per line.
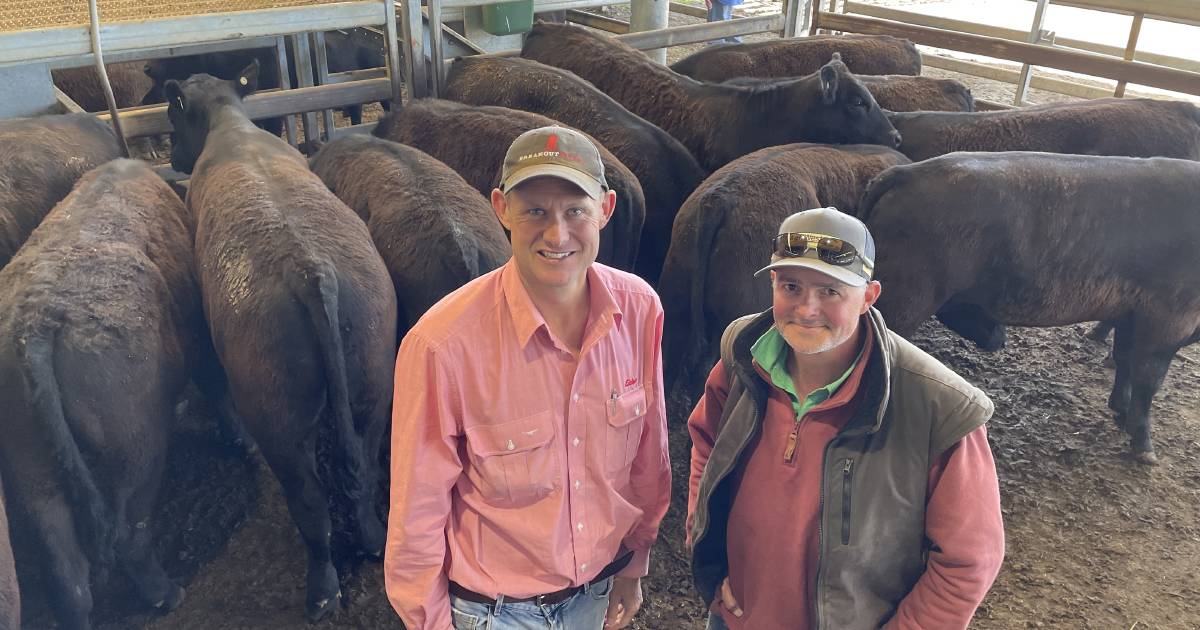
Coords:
1122,352
1100,331
371,532
1148,368
67,568
136,550
294,464
354,112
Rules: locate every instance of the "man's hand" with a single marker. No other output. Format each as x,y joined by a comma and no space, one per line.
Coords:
624,600
727,599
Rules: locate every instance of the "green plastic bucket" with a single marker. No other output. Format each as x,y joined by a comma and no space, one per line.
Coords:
508,18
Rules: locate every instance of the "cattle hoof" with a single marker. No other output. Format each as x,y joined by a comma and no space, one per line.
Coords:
1146,457
322,609
172,601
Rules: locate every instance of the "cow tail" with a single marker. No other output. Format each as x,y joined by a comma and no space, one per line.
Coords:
712,217
320,296
93,519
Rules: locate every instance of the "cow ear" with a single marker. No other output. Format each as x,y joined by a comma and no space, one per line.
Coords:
174,94
829,83
837,56
247,79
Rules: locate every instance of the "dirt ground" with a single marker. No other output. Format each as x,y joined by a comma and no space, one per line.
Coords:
1094,540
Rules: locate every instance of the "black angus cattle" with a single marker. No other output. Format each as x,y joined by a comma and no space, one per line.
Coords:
1133,127
666,169
10,596
902,93
129,83
433,231
301,310
40,160
724,231
473,140
718,122
1037,239
798,56
99,314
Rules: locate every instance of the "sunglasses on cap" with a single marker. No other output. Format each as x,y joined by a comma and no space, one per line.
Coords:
831,250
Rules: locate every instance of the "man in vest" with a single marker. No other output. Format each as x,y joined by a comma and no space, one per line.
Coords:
841,478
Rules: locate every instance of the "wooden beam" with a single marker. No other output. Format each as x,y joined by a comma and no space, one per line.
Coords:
920,19
1069,60
152,119
1174,10
1135,30
599,22
1007,75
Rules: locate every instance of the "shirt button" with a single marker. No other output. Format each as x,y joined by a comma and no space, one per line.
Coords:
583,567
510,446
575,398
575,442
578,483
579,526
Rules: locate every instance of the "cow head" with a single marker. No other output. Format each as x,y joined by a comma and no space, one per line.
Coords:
191,105
844,111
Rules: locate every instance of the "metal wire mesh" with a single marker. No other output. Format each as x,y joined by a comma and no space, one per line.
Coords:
19,15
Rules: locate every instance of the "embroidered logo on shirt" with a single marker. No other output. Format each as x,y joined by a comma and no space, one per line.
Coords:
630,382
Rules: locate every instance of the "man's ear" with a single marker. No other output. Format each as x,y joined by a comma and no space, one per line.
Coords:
873,289
174,94
608,204
500,206
247,80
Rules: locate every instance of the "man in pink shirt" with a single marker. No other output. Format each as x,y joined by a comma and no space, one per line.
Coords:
529,452
840,477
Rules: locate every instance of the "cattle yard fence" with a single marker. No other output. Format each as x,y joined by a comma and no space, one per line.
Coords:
1036,47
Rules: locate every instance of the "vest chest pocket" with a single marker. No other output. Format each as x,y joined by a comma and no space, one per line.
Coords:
514,463
626,416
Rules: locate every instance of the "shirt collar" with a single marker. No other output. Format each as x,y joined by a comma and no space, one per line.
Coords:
603,313
770,351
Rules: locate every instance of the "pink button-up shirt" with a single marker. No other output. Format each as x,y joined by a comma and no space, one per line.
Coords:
517,467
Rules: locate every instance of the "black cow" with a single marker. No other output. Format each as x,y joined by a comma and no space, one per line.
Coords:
10,596
40,160
798,56
98,317
473,141
718,122
433,230
1038,239
1134,127
666,169
301,311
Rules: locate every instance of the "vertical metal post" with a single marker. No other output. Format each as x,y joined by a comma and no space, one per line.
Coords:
436,52
317,40
285,82
391,47
1135,30
795,17
650,15
414,59
1035,35
304,78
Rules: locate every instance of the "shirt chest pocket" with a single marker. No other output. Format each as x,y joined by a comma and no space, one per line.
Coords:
626,417
514,463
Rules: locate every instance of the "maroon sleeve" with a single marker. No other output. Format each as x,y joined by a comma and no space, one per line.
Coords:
964,525
702,427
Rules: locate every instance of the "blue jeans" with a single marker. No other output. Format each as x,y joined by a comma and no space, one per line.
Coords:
584,611
718,12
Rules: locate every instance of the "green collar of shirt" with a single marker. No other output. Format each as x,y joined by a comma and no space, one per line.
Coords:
771,351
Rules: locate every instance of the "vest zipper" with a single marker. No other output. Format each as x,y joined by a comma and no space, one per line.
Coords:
847,484
789,453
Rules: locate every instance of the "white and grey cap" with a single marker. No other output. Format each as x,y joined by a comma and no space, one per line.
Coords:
832,223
